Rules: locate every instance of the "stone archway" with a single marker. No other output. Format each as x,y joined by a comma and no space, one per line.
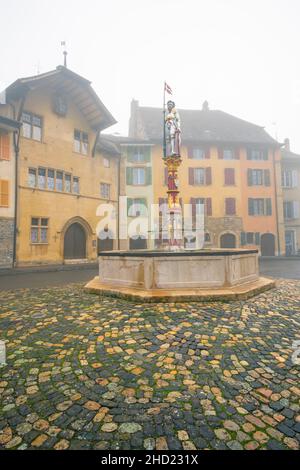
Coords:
267,244
228,240
76,240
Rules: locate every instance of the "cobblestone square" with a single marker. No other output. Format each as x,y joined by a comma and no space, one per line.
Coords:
85,372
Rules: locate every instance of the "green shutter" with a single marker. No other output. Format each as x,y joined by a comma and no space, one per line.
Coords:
129,204
129,176
250,207
243,238
147,154
257,238
269,206
148,176
267,178
266,154
249,177
130,154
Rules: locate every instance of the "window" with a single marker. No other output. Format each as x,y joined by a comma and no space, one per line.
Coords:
291,209
250,238
229,176
289,178
4,193
201,204
257,154
32,177
230,206
198,153
50,179
259,177
138,156
59,181
105,190
42,178
200,176
81,142
260,207
39,230
136,207
139,176
106,162
68,179
228,154
4,147
75,185
32,126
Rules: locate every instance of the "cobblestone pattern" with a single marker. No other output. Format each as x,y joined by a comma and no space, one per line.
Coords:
6,242
91,373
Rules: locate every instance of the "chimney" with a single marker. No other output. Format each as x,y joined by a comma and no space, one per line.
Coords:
205,106
133,119
287,144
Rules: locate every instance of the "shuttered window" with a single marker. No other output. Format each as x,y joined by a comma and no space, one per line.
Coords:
257,154
230,206
260,207
136,207
229,176
258,177
200,176
197,206
4,147
4,193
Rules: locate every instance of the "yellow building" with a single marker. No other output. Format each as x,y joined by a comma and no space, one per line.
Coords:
291,199
229,165
65,170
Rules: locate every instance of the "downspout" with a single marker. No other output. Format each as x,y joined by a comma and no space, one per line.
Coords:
16,141
118,201
276,204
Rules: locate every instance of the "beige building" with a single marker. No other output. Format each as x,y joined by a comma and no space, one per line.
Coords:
66,169
291,199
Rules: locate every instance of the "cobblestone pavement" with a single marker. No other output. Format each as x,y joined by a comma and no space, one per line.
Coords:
91,373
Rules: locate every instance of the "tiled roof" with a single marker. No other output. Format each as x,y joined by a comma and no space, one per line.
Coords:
201,126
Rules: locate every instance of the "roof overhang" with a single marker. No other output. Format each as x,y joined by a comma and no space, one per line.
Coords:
9,125
75,87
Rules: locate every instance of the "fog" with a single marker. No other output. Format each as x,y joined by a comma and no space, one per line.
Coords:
240,56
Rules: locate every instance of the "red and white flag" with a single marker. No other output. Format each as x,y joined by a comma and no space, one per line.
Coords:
168,89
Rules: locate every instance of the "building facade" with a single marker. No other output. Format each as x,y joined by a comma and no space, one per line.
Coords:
291,199
231,166
8,127
65,169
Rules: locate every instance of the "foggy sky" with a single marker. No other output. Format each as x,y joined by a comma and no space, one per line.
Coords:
241,56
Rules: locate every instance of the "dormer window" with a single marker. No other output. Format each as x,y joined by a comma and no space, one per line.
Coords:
81,142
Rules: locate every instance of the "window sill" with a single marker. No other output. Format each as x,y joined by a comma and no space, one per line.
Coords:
39,244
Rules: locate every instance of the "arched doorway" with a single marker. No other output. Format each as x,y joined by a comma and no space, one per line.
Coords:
75,242
138,243
228,240
267,244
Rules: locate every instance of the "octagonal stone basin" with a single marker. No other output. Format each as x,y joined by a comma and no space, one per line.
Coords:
178,269
179,276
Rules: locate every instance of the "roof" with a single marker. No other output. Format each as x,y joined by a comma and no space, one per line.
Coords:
104,144
70,84
199,126
9,124
287,155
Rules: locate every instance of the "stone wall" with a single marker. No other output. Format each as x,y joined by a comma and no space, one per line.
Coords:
6,242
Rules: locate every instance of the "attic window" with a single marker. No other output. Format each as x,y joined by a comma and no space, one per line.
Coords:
32,126
81,142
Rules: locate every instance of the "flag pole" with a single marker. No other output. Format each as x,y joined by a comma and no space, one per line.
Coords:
164,123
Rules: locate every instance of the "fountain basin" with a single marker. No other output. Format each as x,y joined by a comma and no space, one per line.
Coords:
158,276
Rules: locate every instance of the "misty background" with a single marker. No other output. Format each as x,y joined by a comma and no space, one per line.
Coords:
241,56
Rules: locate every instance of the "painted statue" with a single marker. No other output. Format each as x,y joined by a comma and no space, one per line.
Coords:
173,130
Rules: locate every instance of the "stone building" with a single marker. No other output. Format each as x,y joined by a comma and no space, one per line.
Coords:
291,199
8,127
231,166
66,168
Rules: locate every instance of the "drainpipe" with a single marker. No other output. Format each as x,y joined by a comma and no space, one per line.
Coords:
118,202
276,204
